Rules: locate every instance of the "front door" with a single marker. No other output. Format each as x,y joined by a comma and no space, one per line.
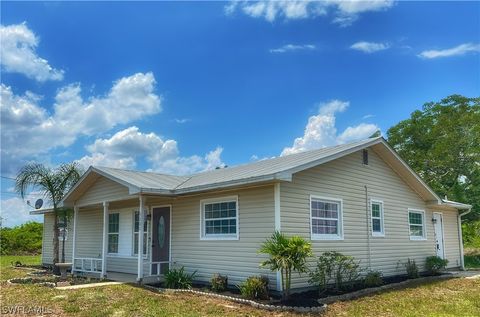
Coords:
438,227
160,239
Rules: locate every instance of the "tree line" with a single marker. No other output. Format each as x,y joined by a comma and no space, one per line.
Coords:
25,239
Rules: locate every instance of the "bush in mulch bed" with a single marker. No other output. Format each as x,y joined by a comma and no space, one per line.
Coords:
304,299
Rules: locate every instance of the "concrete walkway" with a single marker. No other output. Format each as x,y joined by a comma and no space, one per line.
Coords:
88,285
467,274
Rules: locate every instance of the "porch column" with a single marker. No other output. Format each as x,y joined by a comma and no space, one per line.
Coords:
74,238
105,239
141,219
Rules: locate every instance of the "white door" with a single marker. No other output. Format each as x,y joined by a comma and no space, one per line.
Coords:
438,227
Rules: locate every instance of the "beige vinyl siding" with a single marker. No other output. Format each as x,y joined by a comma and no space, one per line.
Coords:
90,238
345,179
236,258
47,244
103,190
450,235
89,233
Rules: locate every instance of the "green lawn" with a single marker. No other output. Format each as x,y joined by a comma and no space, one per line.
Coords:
455,297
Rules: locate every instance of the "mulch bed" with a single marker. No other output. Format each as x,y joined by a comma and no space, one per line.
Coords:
45,276
312,298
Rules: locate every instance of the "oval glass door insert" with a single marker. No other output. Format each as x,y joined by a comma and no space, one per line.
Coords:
161,231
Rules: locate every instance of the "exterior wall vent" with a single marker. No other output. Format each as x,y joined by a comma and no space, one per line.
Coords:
365,157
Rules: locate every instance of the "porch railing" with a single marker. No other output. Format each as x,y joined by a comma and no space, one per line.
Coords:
88,265
158,268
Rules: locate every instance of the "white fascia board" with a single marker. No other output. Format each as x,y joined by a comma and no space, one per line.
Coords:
131,188
88,172
334,156
439,200
40,211
456,204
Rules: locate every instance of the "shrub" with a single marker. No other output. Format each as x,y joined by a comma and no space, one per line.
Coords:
178,278
287,255
373,279
219,283
25,239
254,287
335,268
412,268
471,234
435,264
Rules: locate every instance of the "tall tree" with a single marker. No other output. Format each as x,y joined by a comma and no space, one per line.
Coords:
441,143
54,184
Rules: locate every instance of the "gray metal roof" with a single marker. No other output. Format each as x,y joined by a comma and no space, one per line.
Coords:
275,169
145,180
279,168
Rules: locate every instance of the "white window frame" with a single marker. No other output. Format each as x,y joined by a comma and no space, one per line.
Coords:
112,233
382,217
424,225
145,233
317,236
203,235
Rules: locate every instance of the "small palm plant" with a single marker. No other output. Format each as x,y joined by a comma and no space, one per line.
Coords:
287,255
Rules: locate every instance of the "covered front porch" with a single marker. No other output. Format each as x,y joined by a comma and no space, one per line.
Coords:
107,237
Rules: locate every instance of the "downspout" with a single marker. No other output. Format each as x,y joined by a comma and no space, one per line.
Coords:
460,237
369,255
278,227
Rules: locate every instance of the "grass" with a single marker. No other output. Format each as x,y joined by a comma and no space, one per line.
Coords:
454,297
6,272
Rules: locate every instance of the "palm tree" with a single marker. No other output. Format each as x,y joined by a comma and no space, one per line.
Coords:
54,184
286,254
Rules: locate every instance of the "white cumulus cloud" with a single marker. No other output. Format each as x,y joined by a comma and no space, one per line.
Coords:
15,211
321,130
28,129
18,54
369,47
461,49
292,48
344,12
358,132
127,146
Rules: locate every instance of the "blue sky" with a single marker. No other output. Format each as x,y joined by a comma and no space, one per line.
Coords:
184,87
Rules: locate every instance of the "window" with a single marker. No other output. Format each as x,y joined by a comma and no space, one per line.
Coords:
326,218
136,227
113,231
219,218
416,220
62,228
376,208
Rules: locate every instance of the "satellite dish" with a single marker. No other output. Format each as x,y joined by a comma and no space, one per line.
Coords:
39,203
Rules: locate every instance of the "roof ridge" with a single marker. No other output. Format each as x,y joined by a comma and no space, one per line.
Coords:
288,155
137,171
190,176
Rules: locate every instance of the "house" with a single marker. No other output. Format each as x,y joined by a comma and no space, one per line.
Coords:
360,199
